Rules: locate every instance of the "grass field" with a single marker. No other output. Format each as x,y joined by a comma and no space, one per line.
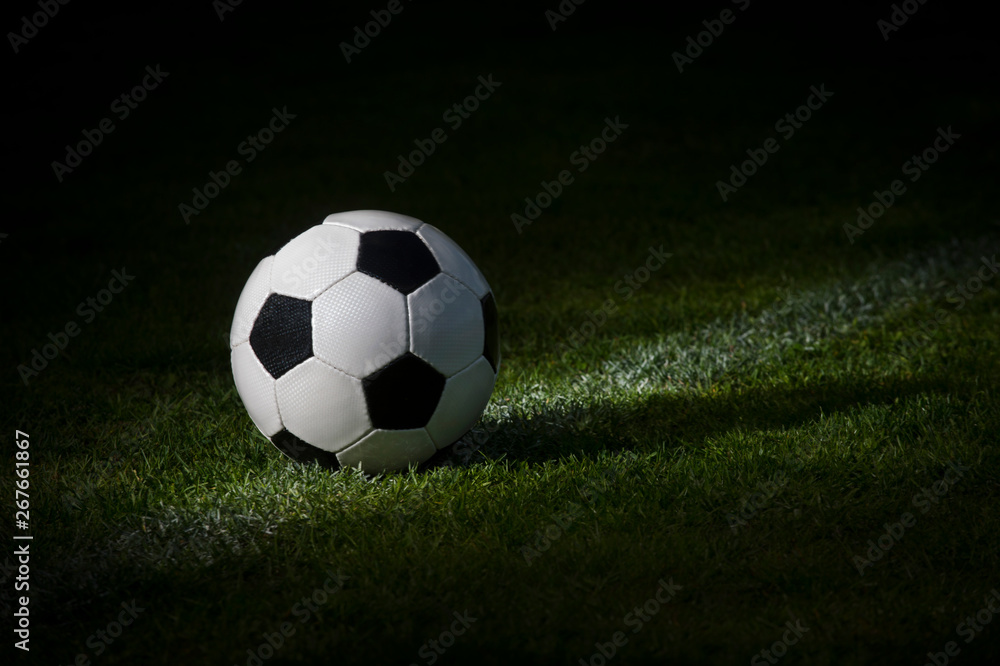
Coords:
743,426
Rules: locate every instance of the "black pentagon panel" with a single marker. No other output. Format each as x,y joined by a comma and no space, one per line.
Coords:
282,333
491,350
403,394
398,258
298,450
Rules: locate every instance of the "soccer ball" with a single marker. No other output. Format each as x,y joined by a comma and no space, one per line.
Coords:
369,341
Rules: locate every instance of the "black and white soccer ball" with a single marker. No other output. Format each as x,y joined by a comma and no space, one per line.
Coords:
369,341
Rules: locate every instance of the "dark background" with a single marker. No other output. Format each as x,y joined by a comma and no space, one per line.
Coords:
64,78
119,208
225,76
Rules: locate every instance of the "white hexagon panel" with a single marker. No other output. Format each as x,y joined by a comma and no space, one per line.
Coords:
322,405
368,341
446,324
359,303
314,260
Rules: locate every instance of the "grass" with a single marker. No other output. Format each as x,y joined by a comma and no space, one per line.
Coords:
770,370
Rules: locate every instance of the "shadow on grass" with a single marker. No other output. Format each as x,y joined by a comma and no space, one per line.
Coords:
669,420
